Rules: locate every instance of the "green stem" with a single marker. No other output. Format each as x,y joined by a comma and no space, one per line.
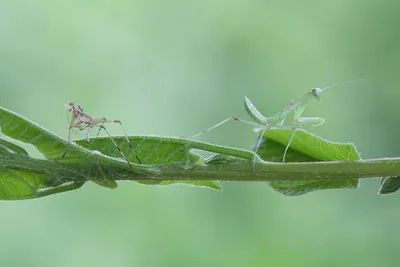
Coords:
235,170
372,168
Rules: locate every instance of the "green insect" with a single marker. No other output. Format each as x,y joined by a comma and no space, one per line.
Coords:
295,109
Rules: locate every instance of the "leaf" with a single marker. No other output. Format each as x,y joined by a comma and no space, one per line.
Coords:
22,177
389,185
149,149
20,128
199,183
305,147
10,148
94,166
49,145
153,150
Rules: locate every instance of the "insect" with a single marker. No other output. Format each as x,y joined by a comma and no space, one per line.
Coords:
295,108
82,121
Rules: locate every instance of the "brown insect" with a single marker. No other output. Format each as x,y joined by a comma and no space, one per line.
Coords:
82,121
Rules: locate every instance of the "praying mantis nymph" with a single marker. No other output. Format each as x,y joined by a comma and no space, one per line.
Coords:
295,108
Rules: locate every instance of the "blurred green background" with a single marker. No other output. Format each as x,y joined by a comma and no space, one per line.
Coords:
175,68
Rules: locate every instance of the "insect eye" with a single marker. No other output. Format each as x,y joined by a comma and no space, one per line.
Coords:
316,92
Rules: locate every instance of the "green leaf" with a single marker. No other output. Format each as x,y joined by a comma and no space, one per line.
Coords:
199,183
83,163
23,177
21,129
149,149
48,144
389,185
10,148
153,150
305,147
53,147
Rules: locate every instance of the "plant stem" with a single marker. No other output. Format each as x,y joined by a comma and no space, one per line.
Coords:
233,171
372,168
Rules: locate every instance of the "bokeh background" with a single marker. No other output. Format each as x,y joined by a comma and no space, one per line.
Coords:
175,68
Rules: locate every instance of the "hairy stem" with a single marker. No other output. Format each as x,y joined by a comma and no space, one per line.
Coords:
372,168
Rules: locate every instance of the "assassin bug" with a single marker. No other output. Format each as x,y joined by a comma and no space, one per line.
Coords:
82,121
